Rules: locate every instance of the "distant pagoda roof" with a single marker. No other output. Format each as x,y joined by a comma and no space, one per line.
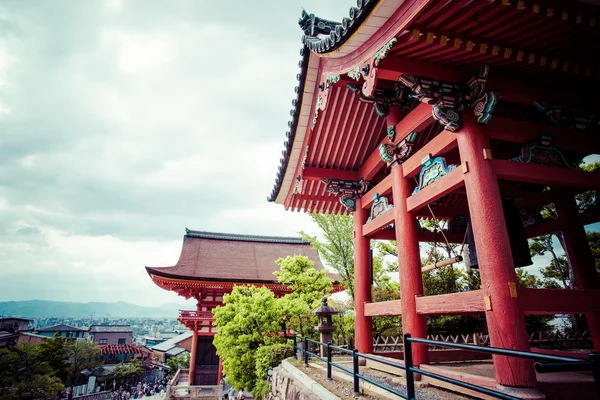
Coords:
221,257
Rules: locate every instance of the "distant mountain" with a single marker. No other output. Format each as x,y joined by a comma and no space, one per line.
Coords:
119,309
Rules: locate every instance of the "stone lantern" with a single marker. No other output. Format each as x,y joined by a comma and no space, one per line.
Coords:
325,327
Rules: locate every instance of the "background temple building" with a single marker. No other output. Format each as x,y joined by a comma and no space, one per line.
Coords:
209,266
473,113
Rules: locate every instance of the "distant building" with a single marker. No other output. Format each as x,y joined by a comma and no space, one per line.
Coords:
172,347
62,330
102,335
14,331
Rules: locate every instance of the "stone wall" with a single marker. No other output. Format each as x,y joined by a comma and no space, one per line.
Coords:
289,383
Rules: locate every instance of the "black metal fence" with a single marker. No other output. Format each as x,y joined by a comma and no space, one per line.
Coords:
545,363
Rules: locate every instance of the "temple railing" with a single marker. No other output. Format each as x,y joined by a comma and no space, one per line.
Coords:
94,396
193,315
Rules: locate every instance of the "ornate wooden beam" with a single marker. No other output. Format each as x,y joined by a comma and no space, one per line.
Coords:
545,175
379,223
453,303
416,120
384,308
439,145
383,188
441,187
424,237
559,301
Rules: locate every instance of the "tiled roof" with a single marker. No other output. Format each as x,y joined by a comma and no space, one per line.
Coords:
243,238
176,351
61,328
169,344
323,36
320,36
234,258
114,349
110,328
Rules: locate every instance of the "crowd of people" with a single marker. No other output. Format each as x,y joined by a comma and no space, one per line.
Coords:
139,391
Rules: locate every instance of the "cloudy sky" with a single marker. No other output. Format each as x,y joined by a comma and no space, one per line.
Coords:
123,122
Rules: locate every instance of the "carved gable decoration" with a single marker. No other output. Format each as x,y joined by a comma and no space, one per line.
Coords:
433,169
379,206
541,152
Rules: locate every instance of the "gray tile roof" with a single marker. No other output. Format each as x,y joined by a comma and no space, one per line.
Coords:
244,238
171,343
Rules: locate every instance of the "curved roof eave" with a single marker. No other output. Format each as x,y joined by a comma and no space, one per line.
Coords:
323,38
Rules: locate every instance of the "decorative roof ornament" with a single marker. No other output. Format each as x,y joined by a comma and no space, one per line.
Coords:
433,169
314,26
391,133
542,152
354,73
379,206
347,190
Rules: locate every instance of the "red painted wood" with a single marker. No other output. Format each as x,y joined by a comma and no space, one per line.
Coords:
587,141
580,256
389,234
439,145
379,223
385,308
193,357
409,264
446,184
384,187
452,303
315,174
220,371
559,301
555,176
542,229
416,120
363,325
505,321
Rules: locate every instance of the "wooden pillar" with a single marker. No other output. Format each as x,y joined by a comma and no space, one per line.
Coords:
409,264
504,315
220,373
192,376
363,326
579,255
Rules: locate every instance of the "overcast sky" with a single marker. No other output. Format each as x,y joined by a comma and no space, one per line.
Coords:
123,122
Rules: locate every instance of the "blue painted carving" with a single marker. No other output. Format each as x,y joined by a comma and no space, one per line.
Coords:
433,169
379,206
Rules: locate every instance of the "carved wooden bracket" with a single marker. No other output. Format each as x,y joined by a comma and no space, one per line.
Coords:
348,191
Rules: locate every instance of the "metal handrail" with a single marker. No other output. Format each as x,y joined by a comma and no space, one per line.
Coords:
546,363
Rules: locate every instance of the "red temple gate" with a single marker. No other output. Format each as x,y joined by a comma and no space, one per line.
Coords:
209,266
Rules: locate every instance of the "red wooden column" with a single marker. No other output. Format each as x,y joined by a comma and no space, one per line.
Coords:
409,264
193,356
363,326
579,255
220,372
505,318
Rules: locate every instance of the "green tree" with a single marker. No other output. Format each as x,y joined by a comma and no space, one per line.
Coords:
24,376
177,362
250,318
82,355
54,352
308,287
125,371
337,248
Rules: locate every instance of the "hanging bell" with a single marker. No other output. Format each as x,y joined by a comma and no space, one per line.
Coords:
516,235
